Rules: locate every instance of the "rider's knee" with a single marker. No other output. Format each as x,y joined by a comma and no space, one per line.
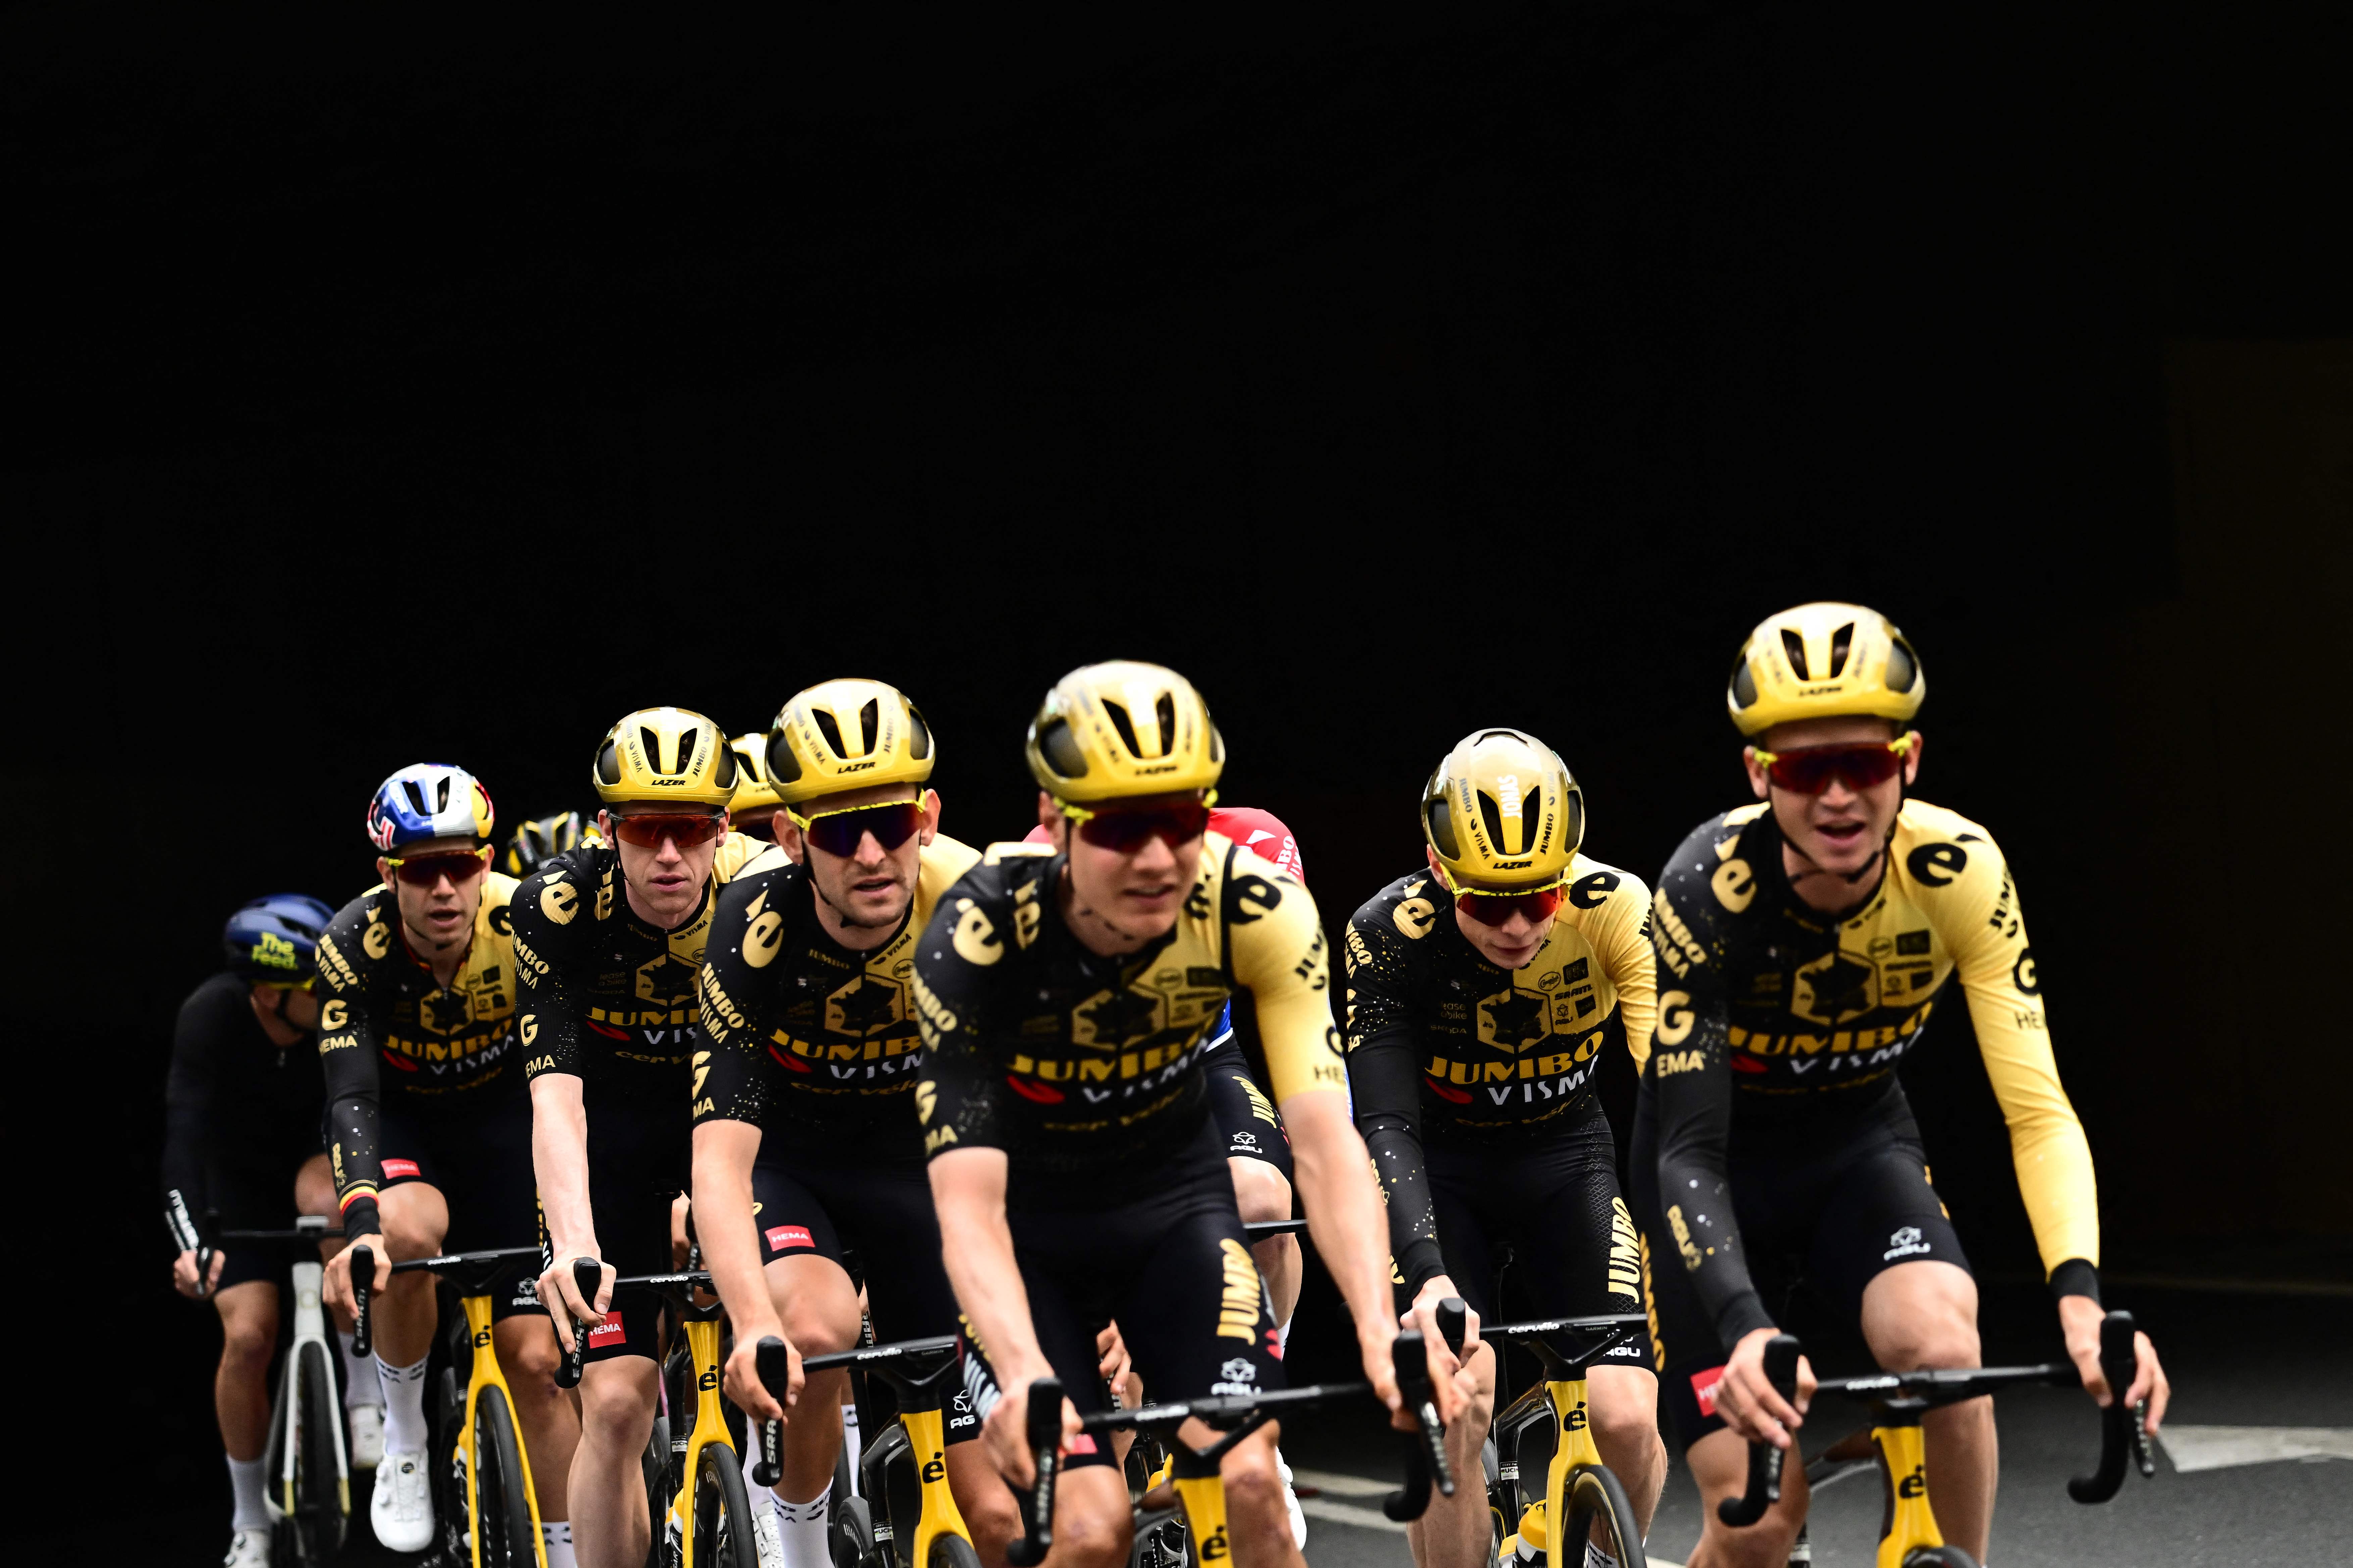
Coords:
247,1345
816,1330
1945,1338
992,1517
1260,1191
1091,1536
1622,1418
528,1356
405,1233
1250,1480
615,1405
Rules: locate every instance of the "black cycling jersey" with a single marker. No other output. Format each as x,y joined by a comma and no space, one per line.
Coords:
1447,1049
1780,1030
1085,1069
610,999
389,1033
810,1041
236,1104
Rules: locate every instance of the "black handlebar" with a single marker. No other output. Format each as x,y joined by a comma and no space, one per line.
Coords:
775,1365
1453,1323
362,1287
2123,1428
1426,1447
1044,1432
586,1275
1763,1459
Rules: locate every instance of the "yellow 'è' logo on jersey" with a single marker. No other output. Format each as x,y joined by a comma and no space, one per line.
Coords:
559,901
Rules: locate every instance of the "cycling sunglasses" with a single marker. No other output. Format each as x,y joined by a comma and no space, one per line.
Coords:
1123,832
839,833
282,986
1494,909
648,829
424,870
1809,771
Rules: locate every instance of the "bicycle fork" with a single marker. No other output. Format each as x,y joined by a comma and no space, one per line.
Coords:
710,1426
1908,1523
484,1372
1572,1449
311,1328
927,1435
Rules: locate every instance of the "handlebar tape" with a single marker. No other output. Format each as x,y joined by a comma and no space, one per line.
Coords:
362,1287
775,1364
1764,1489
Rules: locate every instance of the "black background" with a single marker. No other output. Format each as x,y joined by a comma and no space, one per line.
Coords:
386,392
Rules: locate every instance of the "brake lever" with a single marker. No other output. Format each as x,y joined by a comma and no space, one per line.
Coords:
1045,1436
1426,1461
363,1288
775,1364
1763,1459
2124,1429
586,1275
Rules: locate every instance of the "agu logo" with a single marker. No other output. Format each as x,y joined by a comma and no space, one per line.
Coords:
1904,1242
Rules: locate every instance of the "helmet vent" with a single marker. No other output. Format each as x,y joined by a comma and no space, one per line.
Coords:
1795,647
870,719
1492,814
919,735
784,768
1060,749
416,797
1840,641
724,772
608,764
1165,712
1120,722
1572,829
1743,683
1903,666
1441,830
830,728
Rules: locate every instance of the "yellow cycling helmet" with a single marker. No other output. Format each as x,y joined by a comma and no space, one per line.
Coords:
1502,813
664,754
753,790
1824,662
1123,729
847,734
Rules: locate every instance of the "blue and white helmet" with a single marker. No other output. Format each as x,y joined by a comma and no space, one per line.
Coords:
276,937
430,800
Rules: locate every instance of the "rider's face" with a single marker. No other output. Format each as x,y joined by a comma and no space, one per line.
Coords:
1841,828
440,915
666,881
1137,894
871,886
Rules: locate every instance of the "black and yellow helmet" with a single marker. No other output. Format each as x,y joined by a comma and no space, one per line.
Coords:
847,734
1502,813
1824,662
1123,729
753,790
540,841
664,754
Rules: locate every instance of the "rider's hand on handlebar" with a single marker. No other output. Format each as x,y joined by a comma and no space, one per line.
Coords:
2079,1319
741,1381
1006,1433
1449,1379
561,1296
1118,1368
184,1274
339,1273
1746,1398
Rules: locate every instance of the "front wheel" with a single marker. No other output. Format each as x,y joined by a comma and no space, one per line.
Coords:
1598,1510
315,1530
724,1535
953,1550
850,1534
502,1509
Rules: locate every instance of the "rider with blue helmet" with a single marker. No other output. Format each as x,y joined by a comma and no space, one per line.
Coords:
429,1122
241,1142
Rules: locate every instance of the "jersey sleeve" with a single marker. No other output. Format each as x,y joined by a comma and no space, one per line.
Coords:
1979,921
188,1113
731,1075
1621,940
547,912
956,1092
349,1038
1692,1072
1381,958
1276,950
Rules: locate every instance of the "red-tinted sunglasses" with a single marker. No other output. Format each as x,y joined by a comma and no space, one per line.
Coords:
1494,909
1123,832
1808,770
424,870
839,833
648,829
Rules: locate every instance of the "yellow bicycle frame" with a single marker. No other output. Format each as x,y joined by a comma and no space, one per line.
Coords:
927,1433
1909,1524
710,1426
1572,1447
485,1374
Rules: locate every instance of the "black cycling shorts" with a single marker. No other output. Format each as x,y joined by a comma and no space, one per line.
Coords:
1247,1122
1171,1268
480,1159
1829,1208
633,1232
257,1197
1552,1210
830,1206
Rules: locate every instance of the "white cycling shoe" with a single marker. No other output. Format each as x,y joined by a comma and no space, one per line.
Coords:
247,1549
402,1509
768,1535
365,1424
1290,1501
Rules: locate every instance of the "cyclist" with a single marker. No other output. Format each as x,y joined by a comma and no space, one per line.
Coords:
1066,993
241,1139
607,943
811,1074
1483,989
538,841
430,1124
755,802
1801,944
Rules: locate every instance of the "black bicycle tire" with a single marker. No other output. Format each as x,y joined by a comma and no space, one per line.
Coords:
850,1533
950,1550
319,1506
1595,1489
274,1451
502,1507
1938,1557
722,1512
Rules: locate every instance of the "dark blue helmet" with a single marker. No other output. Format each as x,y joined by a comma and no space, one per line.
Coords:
276,939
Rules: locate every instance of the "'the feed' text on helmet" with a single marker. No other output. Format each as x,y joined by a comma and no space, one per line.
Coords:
847,734
1824,660
276,939
1502,813
1123,728
664,754
430,800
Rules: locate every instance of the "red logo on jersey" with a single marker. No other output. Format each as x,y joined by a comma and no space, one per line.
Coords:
1703,1386
1743,1062
1041,1093
793,1063
781,1236
395,1168
403,1063
1448,1092
608,1333
608,1031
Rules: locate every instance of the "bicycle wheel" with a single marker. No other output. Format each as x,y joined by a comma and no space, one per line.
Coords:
1597,1499
953,1551
1938,1557
849,1531
319,1519
723,1514
501,1510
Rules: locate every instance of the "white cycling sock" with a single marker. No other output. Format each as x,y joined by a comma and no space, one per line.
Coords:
1282,1338
1595,1557
801,1526
249,1482
849,1439
404,1431
360,1384
556,1536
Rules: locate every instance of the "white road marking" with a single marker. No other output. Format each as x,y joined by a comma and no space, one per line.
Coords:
1334,1484
1349,1513
2219,1448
